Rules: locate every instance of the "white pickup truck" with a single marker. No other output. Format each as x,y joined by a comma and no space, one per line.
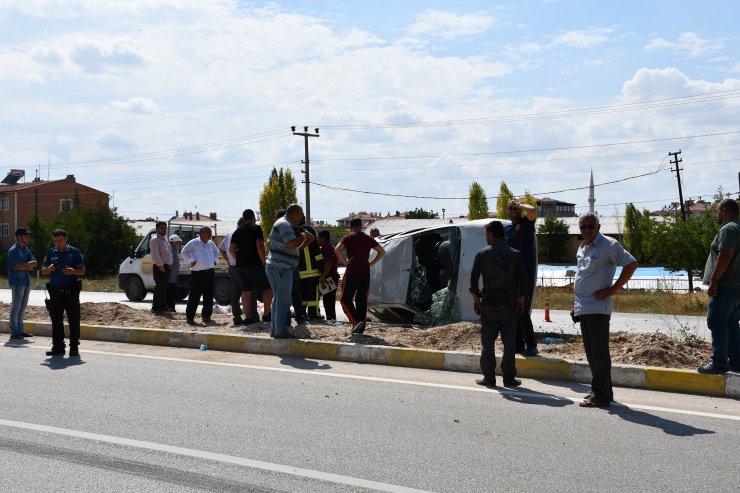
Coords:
135,273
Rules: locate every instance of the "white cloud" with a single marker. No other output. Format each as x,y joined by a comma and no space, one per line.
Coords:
585,38
688,43
142,106
448,25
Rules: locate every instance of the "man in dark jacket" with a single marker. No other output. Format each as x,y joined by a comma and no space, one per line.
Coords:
498,303
310,267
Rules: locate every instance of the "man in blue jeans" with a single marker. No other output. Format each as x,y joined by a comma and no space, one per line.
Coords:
20,263
722,273
282,261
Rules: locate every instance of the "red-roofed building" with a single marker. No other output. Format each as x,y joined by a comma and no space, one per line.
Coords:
18,201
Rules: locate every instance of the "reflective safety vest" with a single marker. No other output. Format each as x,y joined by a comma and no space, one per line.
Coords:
311,263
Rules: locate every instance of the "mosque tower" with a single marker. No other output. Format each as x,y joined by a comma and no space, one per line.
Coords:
591,199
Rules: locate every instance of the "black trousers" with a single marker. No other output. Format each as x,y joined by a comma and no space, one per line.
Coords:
61,301
310,296
497,320
161,279
355,288
595,331
201,284
171,292
330,305
525,328
236,294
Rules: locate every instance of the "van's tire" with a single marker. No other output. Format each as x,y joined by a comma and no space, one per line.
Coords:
135,290
181,293
222,290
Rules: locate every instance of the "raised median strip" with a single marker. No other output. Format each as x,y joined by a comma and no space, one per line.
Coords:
665,379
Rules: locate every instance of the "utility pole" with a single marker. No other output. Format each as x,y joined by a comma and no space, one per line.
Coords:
305,134
676,160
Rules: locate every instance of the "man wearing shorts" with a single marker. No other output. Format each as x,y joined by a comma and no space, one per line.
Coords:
248,247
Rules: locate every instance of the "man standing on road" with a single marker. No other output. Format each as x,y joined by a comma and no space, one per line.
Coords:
520,236
356,282
722,273
498,304
161,253
598,257
175,244
236,289
310,266
282,261
64,264
248,248
20,263
202,254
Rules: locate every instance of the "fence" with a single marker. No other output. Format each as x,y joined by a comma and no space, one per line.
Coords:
677,284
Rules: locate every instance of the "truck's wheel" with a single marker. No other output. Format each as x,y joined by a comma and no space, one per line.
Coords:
135,289
222,291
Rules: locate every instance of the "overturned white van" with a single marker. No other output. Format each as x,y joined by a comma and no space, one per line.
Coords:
425,274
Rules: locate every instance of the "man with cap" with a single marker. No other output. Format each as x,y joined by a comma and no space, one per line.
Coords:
20,263
161,253
63,264
175,244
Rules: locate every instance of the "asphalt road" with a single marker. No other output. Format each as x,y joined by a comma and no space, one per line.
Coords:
561,323
138,418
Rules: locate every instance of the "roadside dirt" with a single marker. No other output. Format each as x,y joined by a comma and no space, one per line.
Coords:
639,349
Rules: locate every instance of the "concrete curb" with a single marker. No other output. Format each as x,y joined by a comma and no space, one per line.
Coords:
665,379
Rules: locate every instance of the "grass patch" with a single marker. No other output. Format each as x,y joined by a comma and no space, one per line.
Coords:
633,301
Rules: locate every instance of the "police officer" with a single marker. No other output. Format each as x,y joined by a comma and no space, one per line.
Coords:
64,264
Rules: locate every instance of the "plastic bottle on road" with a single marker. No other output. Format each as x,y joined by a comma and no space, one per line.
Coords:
203,347
553,340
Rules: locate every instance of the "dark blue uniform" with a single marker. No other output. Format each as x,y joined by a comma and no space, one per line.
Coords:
64,296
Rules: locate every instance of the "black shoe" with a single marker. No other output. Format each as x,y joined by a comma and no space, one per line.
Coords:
267,317
531,351
192,322
73,351
240,321
519,350
26,334
17,336
512,382
359,328
485,382
710,369
209,322
594,402
284,336
55,352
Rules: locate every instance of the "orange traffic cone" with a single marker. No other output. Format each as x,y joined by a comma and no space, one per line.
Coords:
547,310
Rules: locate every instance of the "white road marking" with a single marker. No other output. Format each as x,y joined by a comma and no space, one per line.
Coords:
411,382
202,454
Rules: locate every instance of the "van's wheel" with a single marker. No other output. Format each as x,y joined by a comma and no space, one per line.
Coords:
222,291
135,289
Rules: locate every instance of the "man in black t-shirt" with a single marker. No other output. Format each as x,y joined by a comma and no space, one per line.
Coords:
248,247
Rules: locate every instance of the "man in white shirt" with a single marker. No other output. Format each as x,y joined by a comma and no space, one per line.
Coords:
161,253
202,254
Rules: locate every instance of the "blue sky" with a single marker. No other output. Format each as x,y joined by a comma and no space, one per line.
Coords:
172,105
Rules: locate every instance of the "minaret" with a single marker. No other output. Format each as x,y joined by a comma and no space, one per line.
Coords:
591,199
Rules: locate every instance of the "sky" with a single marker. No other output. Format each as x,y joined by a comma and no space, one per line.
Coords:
174,105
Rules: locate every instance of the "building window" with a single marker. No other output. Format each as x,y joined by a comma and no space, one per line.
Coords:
4,229
4,203
65,204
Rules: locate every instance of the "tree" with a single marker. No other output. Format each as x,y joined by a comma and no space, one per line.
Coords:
553,239
529,199
477,202
98,231
638,229
278,193
679,244
420,213
504,196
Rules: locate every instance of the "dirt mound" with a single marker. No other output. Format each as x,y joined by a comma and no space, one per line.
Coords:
638,349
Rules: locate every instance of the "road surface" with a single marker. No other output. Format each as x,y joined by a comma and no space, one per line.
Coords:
138,418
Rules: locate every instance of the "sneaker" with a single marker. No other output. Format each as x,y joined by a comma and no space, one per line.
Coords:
16,336
512,382
209,322
531,351
359,328
710,369
485,382
267,317
192,322
594,402
26,334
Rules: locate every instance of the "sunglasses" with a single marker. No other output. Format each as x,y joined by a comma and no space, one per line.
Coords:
587,226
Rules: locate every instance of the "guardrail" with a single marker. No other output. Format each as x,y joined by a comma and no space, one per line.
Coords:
675,284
